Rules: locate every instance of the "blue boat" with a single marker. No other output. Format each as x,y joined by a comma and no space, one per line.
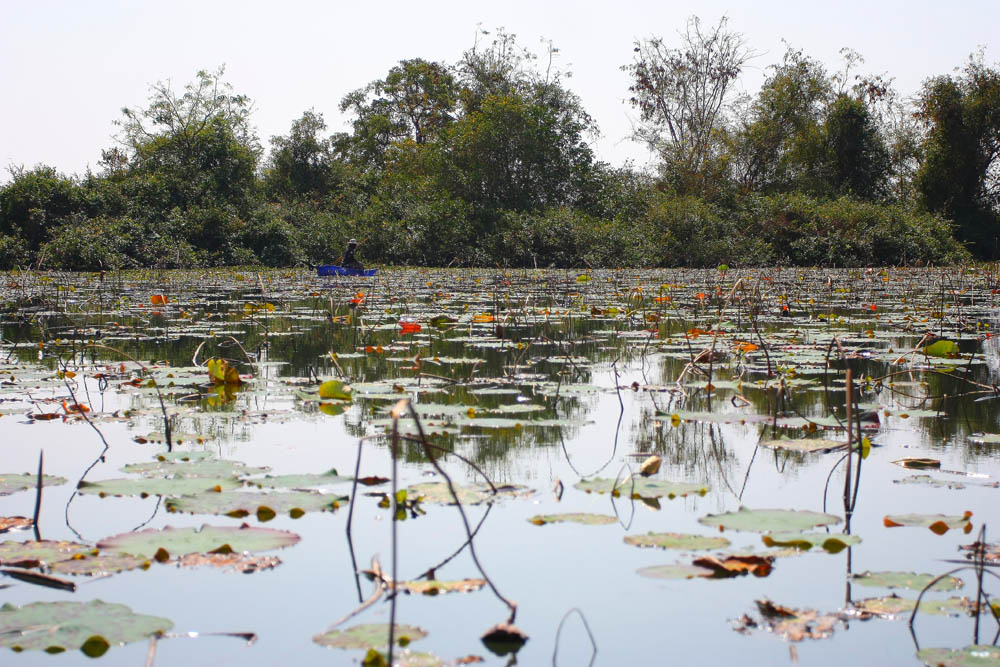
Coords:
334,270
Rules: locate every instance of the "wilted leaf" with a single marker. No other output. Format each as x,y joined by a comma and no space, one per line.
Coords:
918,463
642,487
435,587
938,523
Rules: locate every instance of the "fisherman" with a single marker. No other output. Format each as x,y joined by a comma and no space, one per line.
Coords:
349,261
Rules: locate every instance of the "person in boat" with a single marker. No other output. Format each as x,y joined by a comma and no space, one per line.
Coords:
349,261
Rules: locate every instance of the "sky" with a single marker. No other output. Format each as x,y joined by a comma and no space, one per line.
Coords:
67,67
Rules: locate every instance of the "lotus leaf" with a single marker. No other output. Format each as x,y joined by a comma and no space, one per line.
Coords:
32,554
938,523
207,539
767,520
204,468
264,505
831,543
677,541
908,580
12,483
642,487
438,493
302,481
584,518
55,626
369,635
158,486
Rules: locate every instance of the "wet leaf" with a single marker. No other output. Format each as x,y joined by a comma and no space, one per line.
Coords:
220,372
938,523
32,553
9,523
302,481
726,566
186,469
677,541
792,624
943,348
831,543
892,606
504,638
438,493
642,487
237,562
970,656
767,520
583,518
806,444
207,539
674,571
11,483
46,626
245,503
100,564
907,580
158,486
369,635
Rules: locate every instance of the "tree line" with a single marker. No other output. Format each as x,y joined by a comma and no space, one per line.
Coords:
487,161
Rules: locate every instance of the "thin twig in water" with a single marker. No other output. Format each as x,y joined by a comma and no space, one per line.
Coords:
586,626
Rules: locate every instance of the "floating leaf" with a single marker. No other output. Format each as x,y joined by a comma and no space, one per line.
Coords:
677,541
674,571
970,656
238,562
641,487
805,444
892,606
920,463
302,481
204,468
908,580
9,523
33,554
503,639
938,523
207,539
435,587
11,483
158,486
438,493
791,624
766,520
100,564
834,543
584,518
369,635
724,567
221,372
264,505
55,626
335,389
943,348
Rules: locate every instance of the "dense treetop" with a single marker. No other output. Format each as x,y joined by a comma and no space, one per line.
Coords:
487,161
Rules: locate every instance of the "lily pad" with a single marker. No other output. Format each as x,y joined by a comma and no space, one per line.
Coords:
435,587
831,543
677,541
211,468
985,438
938,523
157,486
264,505
100,564
908,580
60,626
805,444
12,483
303,481
767,520
970,656
438,493
33,554
892,606
369,635
674,571
578,517
641,487
207,539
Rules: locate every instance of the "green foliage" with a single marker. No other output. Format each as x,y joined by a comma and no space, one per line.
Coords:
36,201
14,252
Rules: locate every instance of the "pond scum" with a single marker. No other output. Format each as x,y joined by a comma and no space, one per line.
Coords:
442,467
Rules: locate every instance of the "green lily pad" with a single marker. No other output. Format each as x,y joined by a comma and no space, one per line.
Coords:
438,493
435,587
12,483
908,580
892,606
937,523
101,564
33,554
303,481
335,389
831,543
205,469
60,626
675,571
766,521
677,541
369,635
578,517
945,349
180,541
264,505
157,486
184,456
805,445
970,656
642,487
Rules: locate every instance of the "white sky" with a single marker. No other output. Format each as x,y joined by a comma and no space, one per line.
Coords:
68,66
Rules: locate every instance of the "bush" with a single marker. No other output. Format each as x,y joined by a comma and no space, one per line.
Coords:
14,252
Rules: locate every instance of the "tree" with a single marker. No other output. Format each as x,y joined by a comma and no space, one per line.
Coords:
960,174
36,201
680,94
857,161
415,101
303,163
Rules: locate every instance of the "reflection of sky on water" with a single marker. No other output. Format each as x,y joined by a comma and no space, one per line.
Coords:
547,570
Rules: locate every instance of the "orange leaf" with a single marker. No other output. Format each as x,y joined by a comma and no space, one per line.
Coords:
159,300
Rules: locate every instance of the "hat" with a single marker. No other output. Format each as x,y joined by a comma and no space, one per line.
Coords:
352,242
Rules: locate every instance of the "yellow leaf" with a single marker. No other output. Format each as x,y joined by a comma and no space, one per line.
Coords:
335,389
